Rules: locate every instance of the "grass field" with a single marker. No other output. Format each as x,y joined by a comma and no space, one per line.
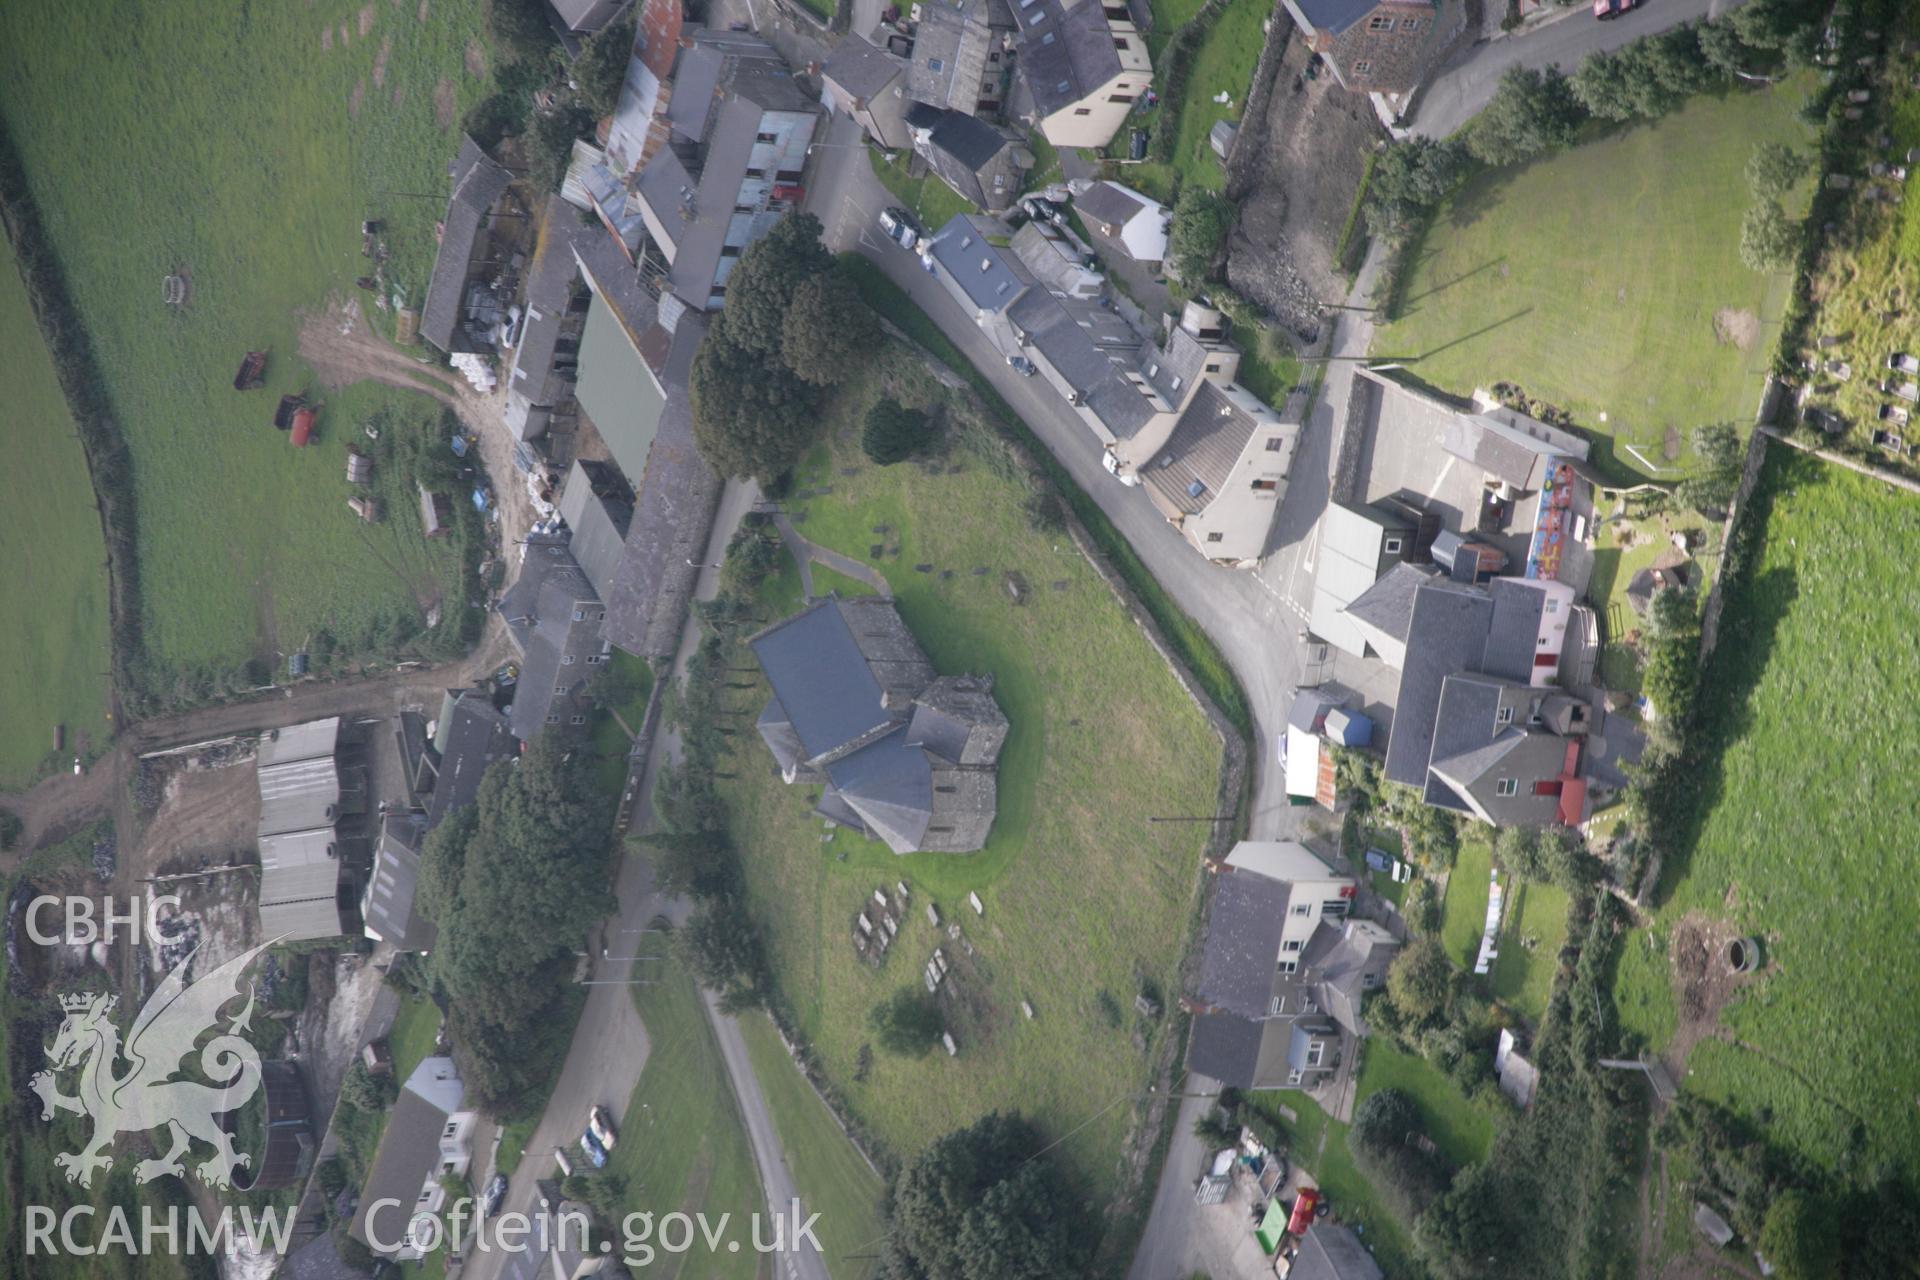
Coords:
830,1175
1082,895
930,200
1806,823
682,1146
412,1035
54,638
1595,278
1523,974
1464,917
1461,1130
1223,63
245,144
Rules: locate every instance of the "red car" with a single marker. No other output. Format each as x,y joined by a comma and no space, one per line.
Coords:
1604,9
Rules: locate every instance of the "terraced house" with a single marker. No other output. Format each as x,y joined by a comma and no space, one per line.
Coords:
1086,65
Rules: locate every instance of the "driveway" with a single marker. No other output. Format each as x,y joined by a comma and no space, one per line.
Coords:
1466,84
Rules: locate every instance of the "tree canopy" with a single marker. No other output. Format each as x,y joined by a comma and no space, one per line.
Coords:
1768,237
1774,168
751,415
1408,177
1545,856
1715,481
1201,220
1531,112
601,68
761,289
907,1023
829,330
1420,979
514,883
892,432
978,1203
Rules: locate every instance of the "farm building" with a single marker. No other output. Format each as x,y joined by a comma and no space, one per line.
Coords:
387,905
288,1119
300,881
453,319
444,767
902,755
359,467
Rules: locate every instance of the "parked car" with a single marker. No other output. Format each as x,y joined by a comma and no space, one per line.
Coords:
1022,366
1137,142
1604,9
900,227
1041,209
494,1196
595,1152
600,1125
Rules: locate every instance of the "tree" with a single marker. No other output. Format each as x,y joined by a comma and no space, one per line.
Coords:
700,864
1420,979
601,68
1768,238
519,28
751,416
1380,1142
1201,220
982,1201
1383,1119
1774,168
1673,654
907,1023
761,289
1604,85
514,891
549,144
1465,1228
892,432
1409,177
1798,1238
1545,856
364,1091
721,946
828,332
1711,488
1532,111
1723,49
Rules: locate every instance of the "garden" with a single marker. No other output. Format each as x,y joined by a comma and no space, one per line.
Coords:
1796,832
1084,902
1607,278
257,139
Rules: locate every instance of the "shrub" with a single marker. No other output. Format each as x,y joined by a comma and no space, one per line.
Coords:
1531,112
1201,220
1774,168
1420,979
907,1023
1409,177
892,432
1768,238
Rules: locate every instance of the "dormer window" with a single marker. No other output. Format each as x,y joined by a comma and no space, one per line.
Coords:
1503,716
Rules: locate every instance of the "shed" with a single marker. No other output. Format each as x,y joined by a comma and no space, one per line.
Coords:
1221,137
1712,1226
1348,728
359,467
435,512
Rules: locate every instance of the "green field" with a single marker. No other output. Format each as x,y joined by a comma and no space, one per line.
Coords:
412,1035
682,1146
831,1176
1595,278
1464,917
1461,1130
1083,896
242,146
1531,936
54,637
1806,824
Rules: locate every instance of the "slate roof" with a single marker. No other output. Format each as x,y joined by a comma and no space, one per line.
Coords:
1517,609
1446,632
860,67
1090,370
470,735
477,182
950,47
1182,360
831,665
1509,446
1112,204
387,905
409,1148
672,518
1055,261
887,782
1077,60
668,191
971,141
616,389
538,609
1332,1252
598,507
1205,444
1387,605
696,82
549,293
1226,1047
990,276
1243,942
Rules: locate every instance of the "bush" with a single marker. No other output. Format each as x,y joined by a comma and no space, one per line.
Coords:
519,28
549,144
1201,220
364,1091
1774,168
907,1023
1546,856
892,432
1768,238
1409,177
1420,979
1384,1126
1710,490
601,68
1531,112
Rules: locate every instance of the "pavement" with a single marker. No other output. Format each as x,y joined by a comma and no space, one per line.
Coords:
1465,84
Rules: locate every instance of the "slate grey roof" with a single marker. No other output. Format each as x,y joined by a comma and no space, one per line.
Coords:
1078,59
957,720
1509,446
668,192
1226,1047
776,730
598,507
950,48
1106,202
990,276
1243,942
387,906
890,786
549,293
1206,442
971,141
409,1149
696,82
1514,631
539,610
861,68
832,665
1447,632
967,153
470,735
1332,1252
1055,261
477,182
1183,360
1099,380
673,516
1387,605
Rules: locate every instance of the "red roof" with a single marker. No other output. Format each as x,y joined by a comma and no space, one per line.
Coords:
1573,787
660,36
302,427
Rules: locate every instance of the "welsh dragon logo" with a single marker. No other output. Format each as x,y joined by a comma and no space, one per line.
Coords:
145,1096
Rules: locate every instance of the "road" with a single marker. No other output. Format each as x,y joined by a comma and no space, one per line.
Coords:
1465,85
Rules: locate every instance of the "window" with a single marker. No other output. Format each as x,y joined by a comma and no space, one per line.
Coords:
1288,966
579,615
1392,546
1265,486
1048,39
1363,67
729,250
1302,908
1177,381
1410,24
939,831
933,64
1275,1006
1553,606
566,660
1120,97
946,790
1216,537
1273,445
1213,366
1334,908
1507,787
1121,43
553,719
774,137
1503,716
594,659
1368,981
576,719
1293,946
559,691
1083,111
1316,1051
1379,22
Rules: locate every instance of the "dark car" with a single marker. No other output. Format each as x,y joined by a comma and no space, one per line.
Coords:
1041,209
495,1194
1022,366
1137,144
595,1152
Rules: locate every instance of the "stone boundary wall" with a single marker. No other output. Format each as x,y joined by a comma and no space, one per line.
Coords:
1250,139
